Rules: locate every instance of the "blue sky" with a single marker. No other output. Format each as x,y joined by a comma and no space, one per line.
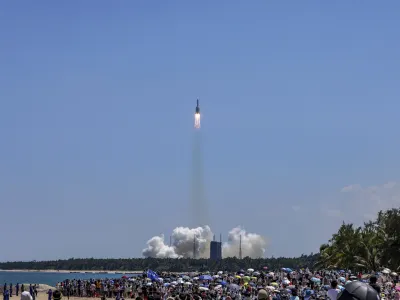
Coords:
299,99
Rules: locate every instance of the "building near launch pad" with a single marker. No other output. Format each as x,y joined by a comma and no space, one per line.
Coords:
216,249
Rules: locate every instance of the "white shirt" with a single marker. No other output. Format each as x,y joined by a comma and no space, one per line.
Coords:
332,294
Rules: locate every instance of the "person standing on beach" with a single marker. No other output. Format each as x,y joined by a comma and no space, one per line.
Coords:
22,288
11,289
50,294
31,291
17,289
6,294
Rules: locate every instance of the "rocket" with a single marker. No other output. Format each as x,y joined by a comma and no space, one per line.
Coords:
197,116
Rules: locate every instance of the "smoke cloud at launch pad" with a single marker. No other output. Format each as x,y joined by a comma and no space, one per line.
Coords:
252,244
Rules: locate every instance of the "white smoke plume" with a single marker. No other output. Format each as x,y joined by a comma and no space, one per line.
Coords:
253,245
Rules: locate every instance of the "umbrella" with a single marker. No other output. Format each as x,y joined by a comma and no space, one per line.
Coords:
250,270
358,290
393,274
202,288
205,277
223,283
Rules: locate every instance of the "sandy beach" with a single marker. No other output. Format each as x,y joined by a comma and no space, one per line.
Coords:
44,296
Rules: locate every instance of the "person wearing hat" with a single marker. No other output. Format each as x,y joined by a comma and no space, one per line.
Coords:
307,294
262,294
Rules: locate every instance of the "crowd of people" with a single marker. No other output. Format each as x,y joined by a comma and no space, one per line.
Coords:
285,284
9,290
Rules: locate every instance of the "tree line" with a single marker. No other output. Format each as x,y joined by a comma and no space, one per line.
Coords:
370,247
164,264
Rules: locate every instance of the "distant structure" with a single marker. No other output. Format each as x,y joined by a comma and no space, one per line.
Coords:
240,247
216,249
194,247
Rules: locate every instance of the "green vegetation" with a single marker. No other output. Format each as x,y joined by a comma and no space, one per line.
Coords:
166,264
369,248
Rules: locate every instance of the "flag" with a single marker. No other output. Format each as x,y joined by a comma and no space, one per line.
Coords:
152,275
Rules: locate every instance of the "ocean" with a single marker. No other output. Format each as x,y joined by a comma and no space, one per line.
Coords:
50,278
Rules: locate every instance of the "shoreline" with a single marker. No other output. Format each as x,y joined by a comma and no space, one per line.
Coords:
73,271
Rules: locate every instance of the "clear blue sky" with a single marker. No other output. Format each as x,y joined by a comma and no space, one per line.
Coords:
299,100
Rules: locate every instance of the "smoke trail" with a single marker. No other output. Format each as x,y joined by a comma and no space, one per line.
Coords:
199,202
253,245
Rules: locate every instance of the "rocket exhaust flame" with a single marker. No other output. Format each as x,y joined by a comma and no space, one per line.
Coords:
197,120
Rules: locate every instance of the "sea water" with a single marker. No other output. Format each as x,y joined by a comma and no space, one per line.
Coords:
51,278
